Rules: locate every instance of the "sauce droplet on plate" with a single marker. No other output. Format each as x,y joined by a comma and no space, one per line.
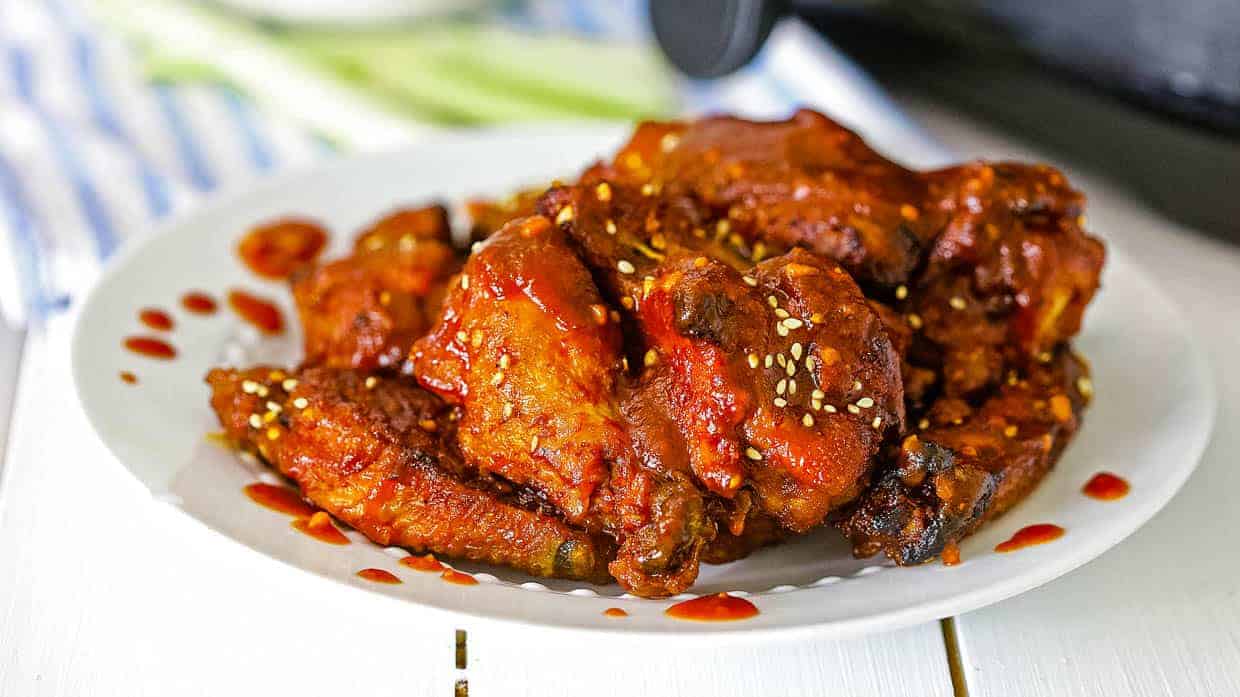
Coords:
128,378
1105,486
279,498
459,578
426,562
379,576
950,554
199,303
719,607
319,526
276,249
1029,536
156,318
259,312
151,347
615,612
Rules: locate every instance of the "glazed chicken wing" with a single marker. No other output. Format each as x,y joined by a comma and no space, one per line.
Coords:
378,454
779,380
365,310
531,353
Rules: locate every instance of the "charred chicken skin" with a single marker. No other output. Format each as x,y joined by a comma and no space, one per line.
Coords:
731,333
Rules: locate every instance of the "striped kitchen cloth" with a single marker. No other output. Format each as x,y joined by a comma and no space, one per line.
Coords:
93,150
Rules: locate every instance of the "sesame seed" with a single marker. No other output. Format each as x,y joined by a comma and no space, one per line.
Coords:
781,330
301,402
249,386
854,409
791,368
878,421
856,384
830,409
507,409
464,281
700,262
1085,386
750,281
1044,357
371,382
796,350
603,192
793,323
766,362
752,453
668,142
781,386
647,189
256,421
475,338
792,386
816,404
504,360
261,391
273,433
1010,431
428,425
650,358
809,363
923,424
497,378
817,394
772,301
625,266
901,292
723,227
289,385
610,226
781,313
781,402
753,360
807,420
914,320
475,247
534,443
564,216
865,402
779,358
462,337
957,302
273,407
269,417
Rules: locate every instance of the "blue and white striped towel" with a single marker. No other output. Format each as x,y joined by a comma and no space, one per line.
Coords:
91,154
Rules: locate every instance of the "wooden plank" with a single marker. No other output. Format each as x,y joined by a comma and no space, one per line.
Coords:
104,591
1160,613
906,662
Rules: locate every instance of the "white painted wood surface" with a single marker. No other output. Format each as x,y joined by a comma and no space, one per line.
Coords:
1160,613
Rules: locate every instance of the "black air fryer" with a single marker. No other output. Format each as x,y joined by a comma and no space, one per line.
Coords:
1145,90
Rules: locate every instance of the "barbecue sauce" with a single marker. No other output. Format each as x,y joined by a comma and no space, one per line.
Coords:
257,311
151,347
1029,536
719,607
1105,486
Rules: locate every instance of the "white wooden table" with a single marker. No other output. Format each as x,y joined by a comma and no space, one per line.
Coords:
104,591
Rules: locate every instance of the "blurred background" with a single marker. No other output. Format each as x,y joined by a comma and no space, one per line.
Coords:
116,113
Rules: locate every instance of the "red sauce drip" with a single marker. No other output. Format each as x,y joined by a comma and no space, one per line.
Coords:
460,579
151,347
950,555
614,612
319,526
426,562
1105,486
257,311
278,248
279,498
128,378
199,303
379,576
1029,536
719,607
156,319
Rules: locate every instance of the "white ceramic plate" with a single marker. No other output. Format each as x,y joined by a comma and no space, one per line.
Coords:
1149,422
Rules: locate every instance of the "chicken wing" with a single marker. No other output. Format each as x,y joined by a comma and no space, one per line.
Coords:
365,310
378,455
